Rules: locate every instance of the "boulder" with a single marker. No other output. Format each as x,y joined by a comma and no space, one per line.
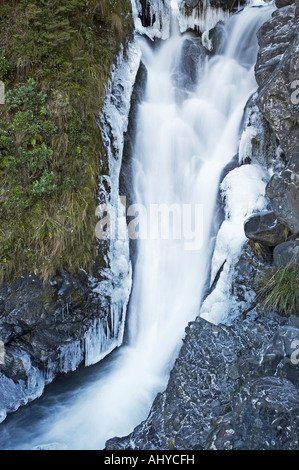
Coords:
264,228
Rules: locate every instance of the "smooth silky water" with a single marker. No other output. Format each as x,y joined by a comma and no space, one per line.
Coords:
184,139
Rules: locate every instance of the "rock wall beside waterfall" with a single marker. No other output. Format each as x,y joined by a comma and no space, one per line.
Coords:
236,387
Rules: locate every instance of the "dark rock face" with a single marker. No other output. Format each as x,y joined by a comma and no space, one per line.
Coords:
224,4
286,253
264,228
40,319
186,73
283,3
193,55
264,416
48,329
283,192
276,73
274,38
231,388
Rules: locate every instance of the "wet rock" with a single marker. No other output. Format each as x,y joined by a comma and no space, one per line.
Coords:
265,414
186,76
224,4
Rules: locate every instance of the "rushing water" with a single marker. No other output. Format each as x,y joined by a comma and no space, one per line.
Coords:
183,141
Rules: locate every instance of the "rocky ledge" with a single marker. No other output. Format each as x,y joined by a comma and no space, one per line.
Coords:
52,328
231,388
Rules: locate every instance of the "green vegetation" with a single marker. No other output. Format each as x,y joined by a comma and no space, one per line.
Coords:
55,60
278,289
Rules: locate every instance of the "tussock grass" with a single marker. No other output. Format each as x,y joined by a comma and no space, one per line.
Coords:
278,289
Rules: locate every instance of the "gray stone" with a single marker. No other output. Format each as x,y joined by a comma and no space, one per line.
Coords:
41,318
276,72
192,3
264,228
214,390
283,192
265,415
233,372
283,3
185,76
286,253
274,38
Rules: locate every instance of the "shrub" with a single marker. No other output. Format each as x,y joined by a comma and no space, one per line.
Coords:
278,289
45,185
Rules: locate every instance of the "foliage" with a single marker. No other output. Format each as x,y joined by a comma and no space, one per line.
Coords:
278,289
55,59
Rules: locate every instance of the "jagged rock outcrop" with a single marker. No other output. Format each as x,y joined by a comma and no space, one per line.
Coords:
276,73
283,192
231,388
42,319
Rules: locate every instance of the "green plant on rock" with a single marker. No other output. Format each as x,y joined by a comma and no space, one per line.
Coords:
278,289
45,185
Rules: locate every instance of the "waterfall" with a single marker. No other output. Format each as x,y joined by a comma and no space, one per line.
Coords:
185,136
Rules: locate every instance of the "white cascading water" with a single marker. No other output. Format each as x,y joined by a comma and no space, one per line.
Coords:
180,150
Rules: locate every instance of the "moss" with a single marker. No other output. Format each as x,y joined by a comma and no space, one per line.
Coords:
237,388
171,444
55,60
